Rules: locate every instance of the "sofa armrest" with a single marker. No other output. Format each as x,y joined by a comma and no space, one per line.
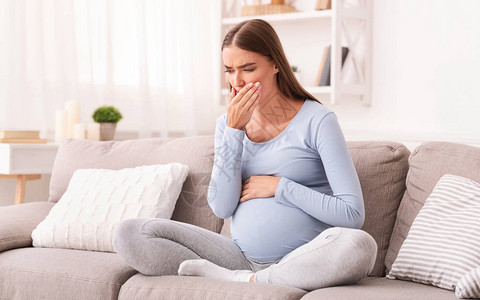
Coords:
18,221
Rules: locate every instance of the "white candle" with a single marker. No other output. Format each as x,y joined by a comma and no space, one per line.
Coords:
93,131
73,115
60,126
79,131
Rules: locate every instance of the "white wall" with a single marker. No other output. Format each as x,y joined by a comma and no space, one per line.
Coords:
426,62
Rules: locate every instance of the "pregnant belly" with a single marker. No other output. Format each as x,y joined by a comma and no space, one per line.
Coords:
266,230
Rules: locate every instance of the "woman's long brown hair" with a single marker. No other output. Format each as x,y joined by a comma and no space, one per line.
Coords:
259,36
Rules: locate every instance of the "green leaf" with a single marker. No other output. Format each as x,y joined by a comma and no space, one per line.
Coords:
107,114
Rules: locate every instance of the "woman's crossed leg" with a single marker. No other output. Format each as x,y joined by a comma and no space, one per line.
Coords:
337,256
159,246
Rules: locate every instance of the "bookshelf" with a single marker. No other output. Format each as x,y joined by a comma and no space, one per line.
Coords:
347,24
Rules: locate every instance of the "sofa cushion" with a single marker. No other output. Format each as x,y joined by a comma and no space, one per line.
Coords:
382,168
195,152
443,243
381,288
428,163
186,287
18,221
40,273
97,200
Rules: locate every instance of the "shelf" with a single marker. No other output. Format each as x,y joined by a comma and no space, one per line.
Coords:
318,89
349,25
351,89
354,13
310,89
284,18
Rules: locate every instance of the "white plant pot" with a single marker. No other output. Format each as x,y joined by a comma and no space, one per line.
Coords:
107,131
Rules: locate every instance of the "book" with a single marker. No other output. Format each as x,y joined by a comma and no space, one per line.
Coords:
19,134
322,64
323,4
325,78
23,141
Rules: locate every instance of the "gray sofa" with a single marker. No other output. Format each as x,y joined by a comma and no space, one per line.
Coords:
395,185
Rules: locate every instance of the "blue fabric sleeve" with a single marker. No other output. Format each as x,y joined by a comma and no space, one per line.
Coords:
225,185
345,208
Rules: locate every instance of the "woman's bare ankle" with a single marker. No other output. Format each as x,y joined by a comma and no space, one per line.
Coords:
252,278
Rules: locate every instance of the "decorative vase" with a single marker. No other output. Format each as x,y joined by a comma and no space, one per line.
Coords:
107,131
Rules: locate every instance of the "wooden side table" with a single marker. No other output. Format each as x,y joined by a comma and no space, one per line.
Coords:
26,162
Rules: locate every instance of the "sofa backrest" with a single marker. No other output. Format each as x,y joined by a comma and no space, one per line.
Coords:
428,163
195,152
381,168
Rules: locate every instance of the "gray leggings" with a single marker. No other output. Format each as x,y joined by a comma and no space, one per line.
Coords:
337,256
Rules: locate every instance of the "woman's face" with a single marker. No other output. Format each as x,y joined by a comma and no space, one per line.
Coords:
243,67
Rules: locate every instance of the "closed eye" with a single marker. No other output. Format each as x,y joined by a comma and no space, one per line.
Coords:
246,70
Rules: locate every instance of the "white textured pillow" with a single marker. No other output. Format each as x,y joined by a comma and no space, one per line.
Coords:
96,200
443,243
469,285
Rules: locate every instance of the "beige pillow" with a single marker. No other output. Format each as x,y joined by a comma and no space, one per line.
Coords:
96,200
442,244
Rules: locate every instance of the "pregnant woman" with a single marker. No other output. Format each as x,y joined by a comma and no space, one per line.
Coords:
282,171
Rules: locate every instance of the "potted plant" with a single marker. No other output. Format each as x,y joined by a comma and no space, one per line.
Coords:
107,117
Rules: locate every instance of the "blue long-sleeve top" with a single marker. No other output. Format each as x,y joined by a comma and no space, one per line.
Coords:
318,189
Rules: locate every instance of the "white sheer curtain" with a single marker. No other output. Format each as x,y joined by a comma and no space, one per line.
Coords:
153,59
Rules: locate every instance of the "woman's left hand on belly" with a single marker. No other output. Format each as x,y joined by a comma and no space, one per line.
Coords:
259,187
